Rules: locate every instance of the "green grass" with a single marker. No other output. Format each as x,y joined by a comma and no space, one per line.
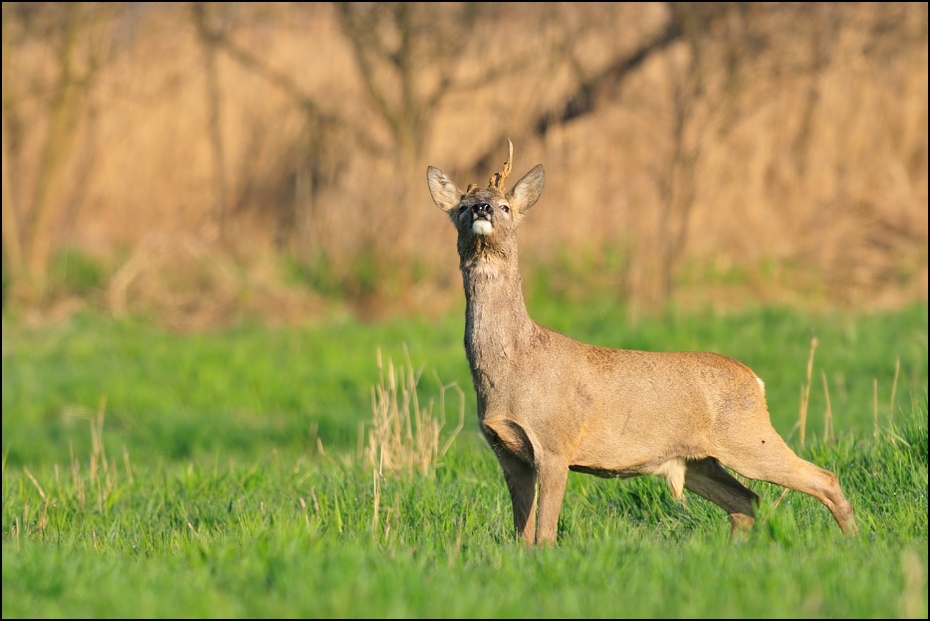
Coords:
208,496
73,272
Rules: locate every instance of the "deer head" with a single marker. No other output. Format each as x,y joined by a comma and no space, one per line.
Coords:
486,218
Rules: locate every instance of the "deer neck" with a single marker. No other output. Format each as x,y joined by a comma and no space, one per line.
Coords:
496,320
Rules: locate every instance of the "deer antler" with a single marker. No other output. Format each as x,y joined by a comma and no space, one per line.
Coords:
497,179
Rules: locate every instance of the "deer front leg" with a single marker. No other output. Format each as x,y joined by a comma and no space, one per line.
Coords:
515,453
553,475
521,482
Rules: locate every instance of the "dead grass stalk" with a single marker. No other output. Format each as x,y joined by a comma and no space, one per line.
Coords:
405,437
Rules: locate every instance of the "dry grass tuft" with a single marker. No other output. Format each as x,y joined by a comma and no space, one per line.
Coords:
404,437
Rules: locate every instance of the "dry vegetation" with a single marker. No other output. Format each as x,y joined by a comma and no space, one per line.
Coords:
197,154
405,437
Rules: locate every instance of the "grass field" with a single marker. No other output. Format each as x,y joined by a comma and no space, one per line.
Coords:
214,474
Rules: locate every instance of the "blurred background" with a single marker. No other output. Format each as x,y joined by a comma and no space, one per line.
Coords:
198,163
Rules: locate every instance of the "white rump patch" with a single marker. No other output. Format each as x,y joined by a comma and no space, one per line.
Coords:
481,227
761,384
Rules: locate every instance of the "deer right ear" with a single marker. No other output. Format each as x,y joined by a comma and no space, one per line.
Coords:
445,193
525,194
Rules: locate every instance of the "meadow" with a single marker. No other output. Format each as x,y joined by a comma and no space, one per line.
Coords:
226,473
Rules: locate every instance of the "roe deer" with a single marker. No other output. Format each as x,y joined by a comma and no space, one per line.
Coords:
548,404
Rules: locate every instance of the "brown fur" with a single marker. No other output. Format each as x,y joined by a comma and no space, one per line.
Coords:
548,404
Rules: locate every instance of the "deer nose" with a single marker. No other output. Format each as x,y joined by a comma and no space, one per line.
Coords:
482,209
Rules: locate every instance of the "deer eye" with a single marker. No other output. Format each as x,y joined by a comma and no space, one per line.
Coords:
505,208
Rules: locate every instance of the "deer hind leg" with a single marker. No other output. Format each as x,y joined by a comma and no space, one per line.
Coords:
707,478
765,457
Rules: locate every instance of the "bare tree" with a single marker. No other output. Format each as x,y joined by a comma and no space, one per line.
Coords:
201,16
406,56
594,89
675,175
32,215
308,164
412,59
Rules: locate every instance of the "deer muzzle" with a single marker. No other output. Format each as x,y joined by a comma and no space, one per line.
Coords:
481,219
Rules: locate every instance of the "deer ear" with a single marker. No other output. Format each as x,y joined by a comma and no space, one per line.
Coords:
445,193
525,194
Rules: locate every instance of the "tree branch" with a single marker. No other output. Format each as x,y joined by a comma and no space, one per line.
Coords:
283,81
597,88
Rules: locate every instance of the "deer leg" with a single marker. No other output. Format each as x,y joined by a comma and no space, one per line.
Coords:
521,481
553,475
515,453
767,458
707,478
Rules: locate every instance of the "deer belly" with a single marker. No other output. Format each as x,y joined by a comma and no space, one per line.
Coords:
622,456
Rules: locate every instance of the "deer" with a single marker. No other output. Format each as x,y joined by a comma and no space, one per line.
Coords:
549,404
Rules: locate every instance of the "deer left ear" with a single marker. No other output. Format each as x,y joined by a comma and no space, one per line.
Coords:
445,193
525,194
